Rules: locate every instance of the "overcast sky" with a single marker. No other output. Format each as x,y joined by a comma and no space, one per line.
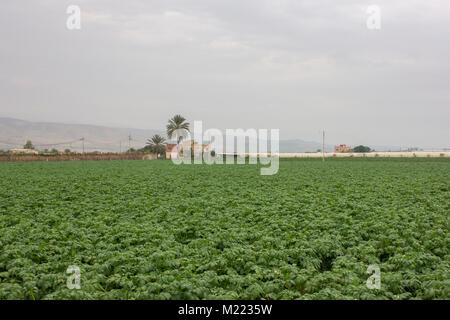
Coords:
299,66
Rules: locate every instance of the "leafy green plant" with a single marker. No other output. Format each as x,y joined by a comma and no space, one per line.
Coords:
154,230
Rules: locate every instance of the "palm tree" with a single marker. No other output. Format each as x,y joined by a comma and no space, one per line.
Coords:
28,145
157,144
178,122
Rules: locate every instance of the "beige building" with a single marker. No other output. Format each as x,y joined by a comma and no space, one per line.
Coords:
24,151
342,148
195,147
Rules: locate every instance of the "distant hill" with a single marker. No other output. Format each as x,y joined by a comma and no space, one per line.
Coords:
47,135
14,133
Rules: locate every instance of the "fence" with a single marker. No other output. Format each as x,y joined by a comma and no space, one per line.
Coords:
418,154
74,157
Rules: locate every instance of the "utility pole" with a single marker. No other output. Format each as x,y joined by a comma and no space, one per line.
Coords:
82,141
323,145
120,150
129,142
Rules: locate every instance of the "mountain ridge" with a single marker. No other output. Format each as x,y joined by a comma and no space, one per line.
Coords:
47,135
15,132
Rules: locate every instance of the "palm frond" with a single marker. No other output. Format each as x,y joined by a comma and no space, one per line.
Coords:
178,122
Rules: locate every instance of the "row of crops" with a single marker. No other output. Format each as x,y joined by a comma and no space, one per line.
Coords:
154,230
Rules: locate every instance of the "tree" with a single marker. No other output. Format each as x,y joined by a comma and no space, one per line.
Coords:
28,145
67,151
361,149
178,122
157,144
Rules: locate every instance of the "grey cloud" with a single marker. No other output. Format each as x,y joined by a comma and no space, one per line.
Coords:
299,66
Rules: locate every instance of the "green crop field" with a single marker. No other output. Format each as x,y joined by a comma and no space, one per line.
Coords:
154,230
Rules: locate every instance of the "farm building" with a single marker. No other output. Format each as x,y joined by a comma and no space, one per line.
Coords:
169,148
342,148
194,146
24,151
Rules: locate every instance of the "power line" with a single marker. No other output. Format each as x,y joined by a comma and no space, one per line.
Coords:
91,144
11,143
41,144
82,139
57,143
